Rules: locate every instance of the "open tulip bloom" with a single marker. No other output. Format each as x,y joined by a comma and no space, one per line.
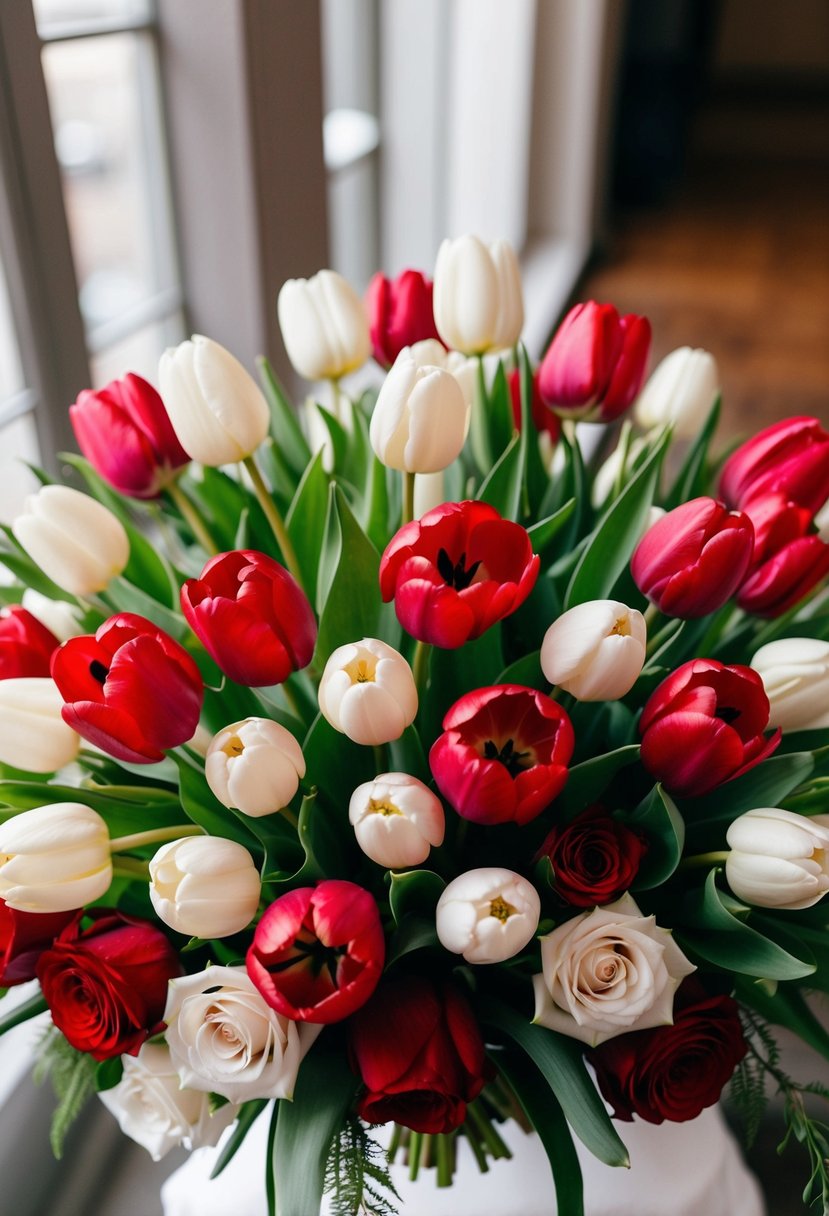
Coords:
319,801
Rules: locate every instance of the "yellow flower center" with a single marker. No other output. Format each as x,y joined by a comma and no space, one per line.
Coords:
621,627
234,746
362,670
381,807
501,910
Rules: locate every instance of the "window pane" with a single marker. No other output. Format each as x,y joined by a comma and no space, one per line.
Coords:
64,12
139,353
19,441
11,373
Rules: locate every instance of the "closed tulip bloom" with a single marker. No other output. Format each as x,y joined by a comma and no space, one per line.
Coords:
420,418
33,734
595,363
399,313
795,675
129,689
323,325
785,577
430,352
124,432
367,692
204,886
396,819
254,766
595,650
478,300
681,391
54,858
217,409
251,616
704,725
778,859
76,541
26,646
487,915
694,558
790,458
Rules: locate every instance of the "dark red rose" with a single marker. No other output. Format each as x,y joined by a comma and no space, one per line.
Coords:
399,314
106,986
594,858
420,1054
26,646
23,938
673,1072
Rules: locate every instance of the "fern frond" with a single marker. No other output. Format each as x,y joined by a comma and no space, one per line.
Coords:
72,1074
357,1177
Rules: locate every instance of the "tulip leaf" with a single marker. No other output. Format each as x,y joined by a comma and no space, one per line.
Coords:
560,1062
285,427
18,563
339,436
571,483
329,754
360,451
406,755
202,807
526,670
535,476
660,821
786,1008
348,597
499,415
21,1013
692,478
374,515
221,499
616,534
131,598
588,781
546,530
455,672
416,933
108,1073
414,893
764,785
307,1126
249,1112
501,487
305,522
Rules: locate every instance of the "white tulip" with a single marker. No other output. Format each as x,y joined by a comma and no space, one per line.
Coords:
324,326
217,409
33,734
596,650
822,523
396,819
204,886
681,391
367,692
54,858
778,859
478,303
487,915
254,766
420,419
153,1110
76,541
59,616
795,675
431,353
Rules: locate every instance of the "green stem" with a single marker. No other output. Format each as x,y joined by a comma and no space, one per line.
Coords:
420,667
335,399
443,1145
487,1132
381,760
288,814
273,517
131,867
408,498
155,836
192,518
475,1145
651,614
394,1143
293,701
704,859
415,1146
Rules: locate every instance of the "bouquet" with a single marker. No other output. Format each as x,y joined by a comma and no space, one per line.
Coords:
434,757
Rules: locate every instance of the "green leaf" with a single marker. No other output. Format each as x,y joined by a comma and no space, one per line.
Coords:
499,414
109,1073
534,475
501,487
374,515
21,1013
202,807
415,934
330,754
249,1112
546,530
23,568
526,671
406,755
131,598
349,605
657,817
305,522
691,481
588,780
285,427
764,785
570,484
560,1062
415,893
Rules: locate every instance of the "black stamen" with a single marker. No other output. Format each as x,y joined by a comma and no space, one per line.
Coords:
456,576
514,762
98,671
727,714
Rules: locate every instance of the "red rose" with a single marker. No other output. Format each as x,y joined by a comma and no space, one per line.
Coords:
106,986
26,646
420,1054
595,858
23,938
399,314
673,1072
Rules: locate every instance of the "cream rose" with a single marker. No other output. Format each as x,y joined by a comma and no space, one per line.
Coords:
607,972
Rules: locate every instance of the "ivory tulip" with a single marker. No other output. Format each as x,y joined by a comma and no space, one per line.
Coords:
778,859
54,858
324,326
367,692
204,886
76,541
420,419
33,734
595,650
795,675
487,915
478,302
396,819
680,391
254,766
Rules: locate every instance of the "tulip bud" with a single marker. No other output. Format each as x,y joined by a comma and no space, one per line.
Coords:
487,915
790,458
432,353
54,858
76,541
26,646
477,295
595,650
59,616
204,886
795,675
367,692
399,313
216,407
681,391
33,734
254,766
323,325
420,419
778,859
396,819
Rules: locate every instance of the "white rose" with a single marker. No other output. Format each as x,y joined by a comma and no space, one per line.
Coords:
396,819
487,915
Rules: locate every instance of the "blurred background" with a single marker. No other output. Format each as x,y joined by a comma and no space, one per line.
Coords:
165,166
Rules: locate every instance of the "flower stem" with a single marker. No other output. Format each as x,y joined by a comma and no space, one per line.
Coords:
394,1143
131,867
408,498
288,814
381,762
443,1145
704,859
420,667
192,518
155,836
415,1147
273,517
487,1132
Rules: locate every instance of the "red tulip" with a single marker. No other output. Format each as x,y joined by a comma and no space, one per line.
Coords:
318,952
704,725
420,1054
26,646
399,314
544,420
595,364
23,938
790,458
251,616
789,557
595,858
124,432
694,558
129,689
456,571
503,754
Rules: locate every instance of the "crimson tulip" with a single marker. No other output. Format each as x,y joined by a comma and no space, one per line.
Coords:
124,432
252,616
595,364
106,986
704,725
544,420
23,938
129,689
789,557
694,558
456,571
595,858
420,1054
790,458
399,314
26,646
318,952
503,754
